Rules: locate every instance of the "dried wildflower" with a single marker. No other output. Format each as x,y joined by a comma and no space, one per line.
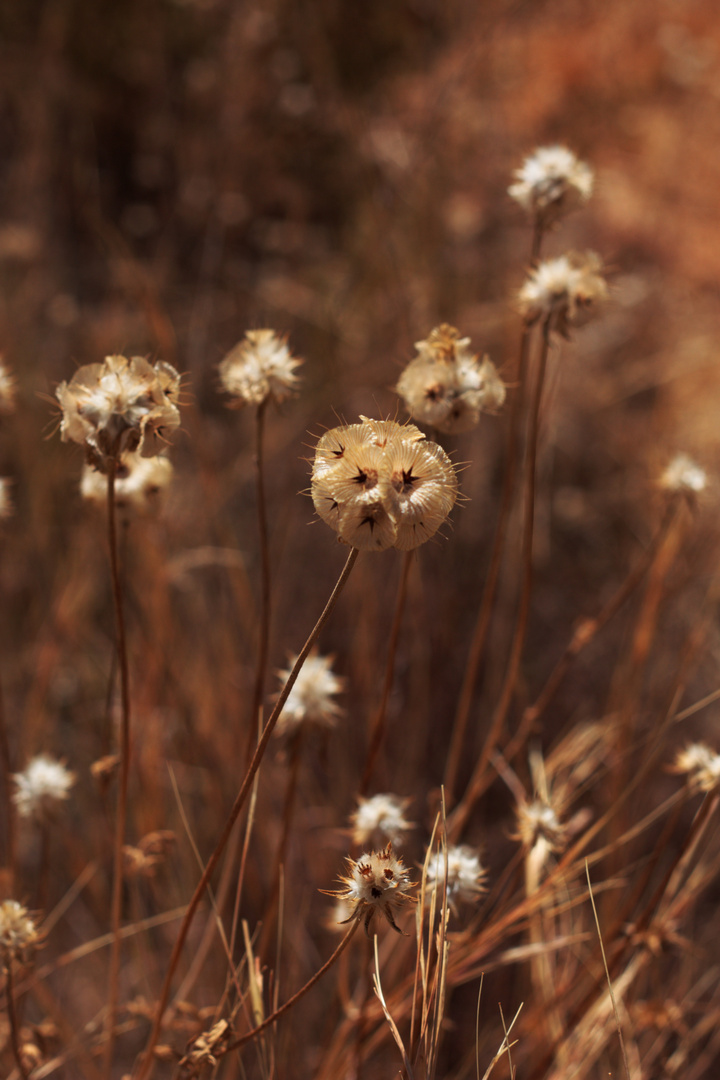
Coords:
259,368
19,935
551,182
207,1048
701,764
6,503
311,700
558,291
380,484
380,820
448,386
143,860
8,389
119,406
140,482
465,875
683,476
377,882
538,822
43,784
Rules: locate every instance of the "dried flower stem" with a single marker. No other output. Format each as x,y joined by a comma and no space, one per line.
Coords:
287,818
458,818
264,629
377,730
123,775
13,1020
7,801
146,1063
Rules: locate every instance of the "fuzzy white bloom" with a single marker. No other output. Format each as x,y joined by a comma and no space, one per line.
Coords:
683,476
259,367
377,883
380,820
139,483
551,182
44,783
539,822
701,764
6,503
465,875
312,698
558,291
18,933
7,389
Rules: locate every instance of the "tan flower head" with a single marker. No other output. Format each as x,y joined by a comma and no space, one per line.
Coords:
380,820
551,182
6,503
19,935
538,821
683,476
140,483
447,386
42,786
465,875
377,883
380,484
312,698
8,389
259,367
119,406
559,291
701,765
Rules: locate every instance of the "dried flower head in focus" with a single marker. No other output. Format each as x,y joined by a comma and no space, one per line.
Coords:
312,697
42,785
8,389
465,875
447,386
700,764
551,182
259,368
119,406
380,484
19,935
6,503
683,476
558,291
140,483
377,883
380,820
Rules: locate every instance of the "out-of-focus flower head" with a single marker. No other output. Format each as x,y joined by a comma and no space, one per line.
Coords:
683,476
119,406
311,700
19,935
380,820
551,182
700,764
259,368
6,503
8,389
448,386
380,484
140,483
538,822
42,785
377,883
465,875
557,292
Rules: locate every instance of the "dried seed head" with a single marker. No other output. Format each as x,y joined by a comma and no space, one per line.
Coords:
151,852
19,935
447,386
380,484
465,875
683,476
377,883
43,784
551,182
311,700
701,764
6,503
119,406
259,367
8,389
140,483
559,291
538,821
380,820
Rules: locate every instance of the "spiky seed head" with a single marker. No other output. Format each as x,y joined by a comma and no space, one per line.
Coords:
376,884
42,786
140,483
447,386
19,935
551,182
559,291
120,406
312,698
380,820
259,368
380,484
465,875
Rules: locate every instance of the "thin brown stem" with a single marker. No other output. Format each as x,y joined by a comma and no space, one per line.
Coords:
13,1020
287,816
7,801
123,774
379,723
146,1063
264,628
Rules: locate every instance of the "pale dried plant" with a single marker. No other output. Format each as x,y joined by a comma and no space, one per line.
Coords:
42,787
377,883
8,389
448,386
140,484
559,292
19,933
259,368
700,764
311,701
380,820
6,501
551,182
683,476
465,875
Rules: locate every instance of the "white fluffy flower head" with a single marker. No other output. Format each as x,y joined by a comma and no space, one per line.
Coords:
380,820
43,784
18,933
701,765
558,291
312,698
259,367
683,476
140,483
377,883
551,182
465,875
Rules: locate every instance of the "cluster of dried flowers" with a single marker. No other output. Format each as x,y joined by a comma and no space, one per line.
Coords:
380,484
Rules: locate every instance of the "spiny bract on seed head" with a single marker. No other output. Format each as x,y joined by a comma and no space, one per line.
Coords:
377,883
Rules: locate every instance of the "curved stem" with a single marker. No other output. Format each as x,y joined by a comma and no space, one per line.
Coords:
123,774
146,1063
